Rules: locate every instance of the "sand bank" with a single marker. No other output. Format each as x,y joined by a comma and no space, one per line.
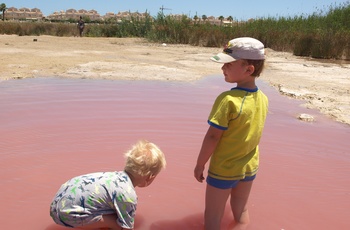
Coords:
323,85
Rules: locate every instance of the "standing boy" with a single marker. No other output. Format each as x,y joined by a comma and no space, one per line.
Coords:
236,123
107,200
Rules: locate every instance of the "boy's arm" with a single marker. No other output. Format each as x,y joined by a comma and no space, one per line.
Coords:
209,144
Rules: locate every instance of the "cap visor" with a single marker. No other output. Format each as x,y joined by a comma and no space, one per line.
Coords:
222,58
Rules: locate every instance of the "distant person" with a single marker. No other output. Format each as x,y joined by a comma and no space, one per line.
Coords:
236,123
81,26
107,200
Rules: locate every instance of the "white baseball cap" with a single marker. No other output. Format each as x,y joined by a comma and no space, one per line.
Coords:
241,48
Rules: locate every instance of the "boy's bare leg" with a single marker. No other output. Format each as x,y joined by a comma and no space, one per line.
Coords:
215,202
107,222
239,199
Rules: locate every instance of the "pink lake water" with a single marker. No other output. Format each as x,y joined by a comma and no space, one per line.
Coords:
52,129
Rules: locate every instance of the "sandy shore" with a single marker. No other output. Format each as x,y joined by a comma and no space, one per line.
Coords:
323,85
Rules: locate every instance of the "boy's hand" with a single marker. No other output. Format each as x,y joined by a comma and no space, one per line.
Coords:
198,173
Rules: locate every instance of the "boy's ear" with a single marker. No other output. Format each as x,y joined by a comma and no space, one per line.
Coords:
149,179
151,176
250,69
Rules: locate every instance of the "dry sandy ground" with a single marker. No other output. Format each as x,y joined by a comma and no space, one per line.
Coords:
323,85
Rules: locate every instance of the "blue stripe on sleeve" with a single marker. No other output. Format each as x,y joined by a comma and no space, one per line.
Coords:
217,126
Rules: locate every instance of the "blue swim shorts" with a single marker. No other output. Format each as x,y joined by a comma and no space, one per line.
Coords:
226,184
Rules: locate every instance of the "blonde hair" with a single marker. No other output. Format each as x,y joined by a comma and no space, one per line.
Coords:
144,159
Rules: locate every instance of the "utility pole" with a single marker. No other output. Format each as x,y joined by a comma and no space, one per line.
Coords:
163,8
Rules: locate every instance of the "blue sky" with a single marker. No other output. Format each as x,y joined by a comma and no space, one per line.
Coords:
238,9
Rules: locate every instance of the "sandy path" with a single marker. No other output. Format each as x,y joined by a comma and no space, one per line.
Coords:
324,85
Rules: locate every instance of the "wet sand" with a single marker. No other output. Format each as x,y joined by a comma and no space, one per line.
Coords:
323,85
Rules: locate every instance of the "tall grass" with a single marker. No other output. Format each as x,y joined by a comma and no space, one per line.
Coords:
324,34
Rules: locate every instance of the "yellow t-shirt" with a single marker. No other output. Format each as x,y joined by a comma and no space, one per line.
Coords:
241,113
